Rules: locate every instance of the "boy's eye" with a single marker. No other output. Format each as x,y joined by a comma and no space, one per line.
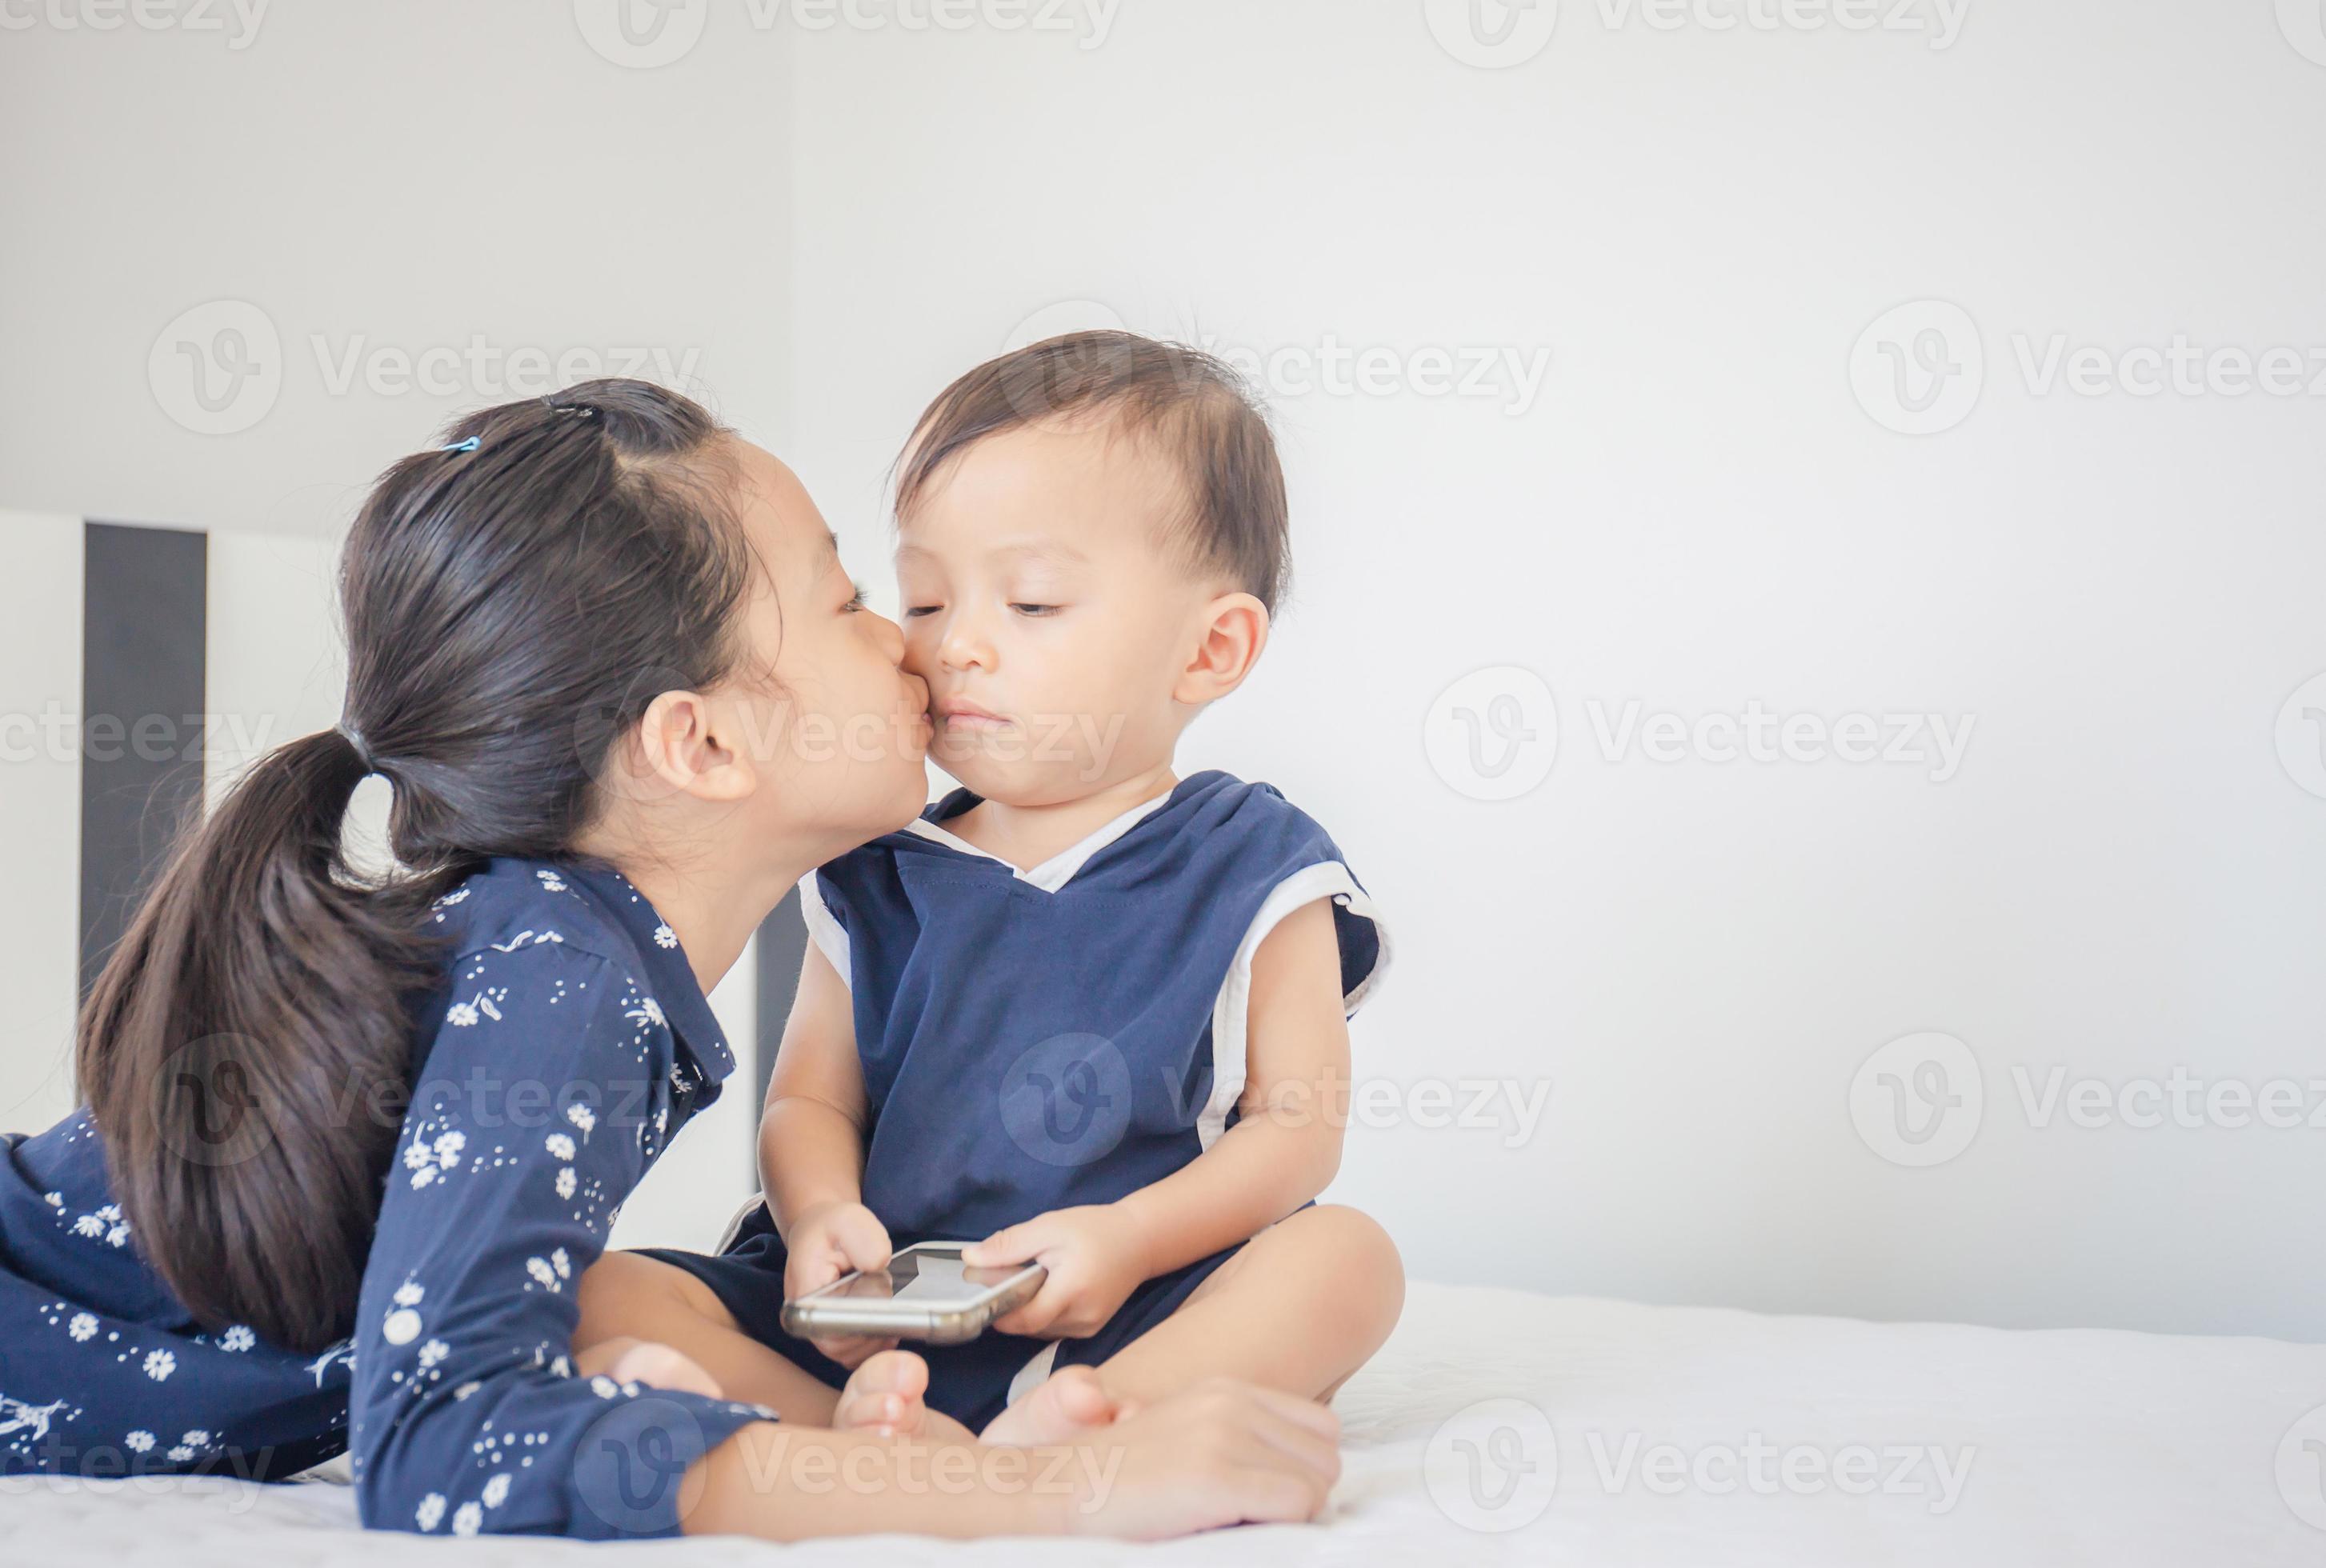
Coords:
856,600
1037,609
916,611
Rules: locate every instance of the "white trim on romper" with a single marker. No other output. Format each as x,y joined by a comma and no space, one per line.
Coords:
1325,879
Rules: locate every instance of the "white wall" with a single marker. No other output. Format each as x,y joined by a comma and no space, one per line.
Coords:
1694,512
39,818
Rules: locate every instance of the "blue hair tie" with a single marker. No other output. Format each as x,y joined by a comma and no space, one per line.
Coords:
466,446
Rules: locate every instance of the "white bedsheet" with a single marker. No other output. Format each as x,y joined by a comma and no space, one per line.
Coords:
2074,1447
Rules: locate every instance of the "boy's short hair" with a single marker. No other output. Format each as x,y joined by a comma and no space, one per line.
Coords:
1194,408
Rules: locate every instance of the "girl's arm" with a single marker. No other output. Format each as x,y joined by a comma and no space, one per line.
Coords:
552,1086
1282,1150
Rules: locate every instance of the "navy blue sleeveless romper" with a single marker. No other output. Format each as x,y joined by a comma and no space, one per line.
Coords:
1035,1040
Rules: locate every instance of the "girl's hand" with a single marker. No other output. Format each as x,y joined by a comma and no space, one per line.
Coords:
825,1242
1223,1452
1095,1257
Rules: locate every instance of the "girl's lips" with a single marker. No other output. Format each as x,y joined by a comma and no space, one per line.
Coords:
966,719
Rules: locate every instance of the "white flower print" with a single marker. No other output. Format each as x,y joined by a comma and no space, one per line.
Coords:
542,1272
140,1442
117,1237
427,1161
181,1453
497,1491
664,936
561,1264
566,1181
197,1439
433,1352
603,1387
468,1519
402,1325
160,1364
560,1146
647,1009
452,898
465,1389
552,881
461,1016
88,1225
432,1511
83,1327
582,1116
56,1199
236,1338
561,1368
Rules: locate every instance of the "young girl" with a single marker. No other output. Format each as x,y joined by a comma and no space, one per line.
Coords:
349,1149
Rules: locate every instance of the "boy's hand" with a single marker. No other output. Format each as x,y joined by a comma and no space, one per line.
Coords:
1095,1257
825,1242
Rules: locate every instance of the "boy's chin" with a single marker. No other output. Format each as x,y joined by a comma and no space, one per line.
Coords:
1008,781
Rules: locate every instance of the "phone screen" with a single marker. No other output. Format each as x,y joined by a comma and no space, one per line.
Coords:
924,1277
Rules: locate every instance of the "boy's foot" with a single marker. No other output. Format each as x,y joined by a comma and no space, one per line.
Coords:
884,1396
1069,1403
658,1366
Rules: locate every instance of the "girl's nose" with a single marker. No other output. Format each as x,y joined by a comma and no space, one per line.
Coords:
889,635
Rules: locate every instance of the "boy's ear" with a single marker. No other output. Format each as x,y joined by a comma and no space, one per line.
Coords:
1231,637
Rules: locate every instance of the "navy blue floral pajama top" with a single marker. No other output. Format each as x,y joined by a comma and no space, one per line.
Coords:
566,1044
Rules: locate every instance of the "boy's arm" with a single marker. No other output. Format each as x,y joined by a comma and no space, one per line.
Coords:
812,1147
1282,1150
811,1133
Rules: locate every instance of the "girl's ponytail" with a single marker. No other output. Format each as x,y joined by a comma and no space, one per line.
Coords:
245,1053
514,602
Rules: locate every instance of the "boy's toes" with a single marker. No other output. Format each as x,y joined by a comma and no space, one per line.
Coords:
885,1396
1067,1404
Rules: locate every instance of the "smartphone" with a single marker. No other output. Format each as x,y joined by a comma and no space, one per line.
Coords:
927,1292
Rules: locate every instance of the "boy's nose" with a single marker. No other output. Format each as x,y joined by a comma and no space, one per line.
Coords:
963,649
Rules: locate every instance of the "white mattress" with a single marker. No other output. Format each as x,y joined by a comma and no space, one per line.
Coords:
2112,1449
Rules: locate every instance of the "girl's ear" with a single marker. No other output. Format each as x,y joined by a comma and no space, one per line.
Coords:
1232,637
687,744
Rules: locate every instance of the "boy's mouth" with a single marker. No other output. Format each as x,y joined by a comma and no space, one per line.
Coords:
961,713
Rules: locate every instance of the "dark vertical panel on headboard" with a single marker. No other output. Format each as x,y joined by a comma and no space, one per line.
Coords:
143,635
783,945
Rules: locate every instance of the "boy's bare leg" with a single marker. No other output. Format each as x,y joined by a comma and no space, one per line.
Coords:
1298,1307
627,1299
